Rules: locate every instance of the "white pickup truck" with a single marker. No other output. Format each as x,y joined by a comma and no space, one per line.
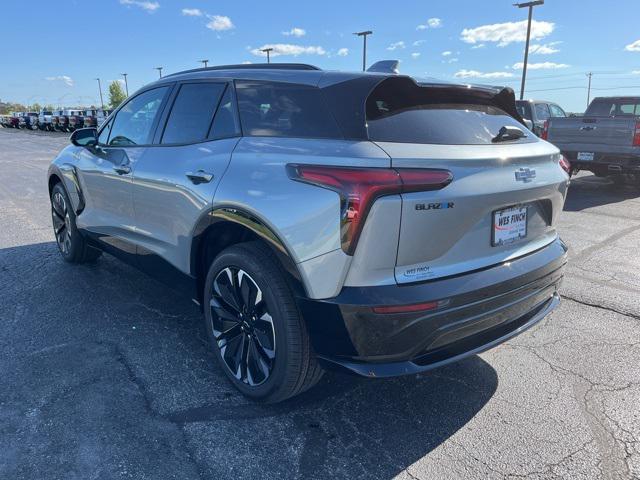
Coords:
605,141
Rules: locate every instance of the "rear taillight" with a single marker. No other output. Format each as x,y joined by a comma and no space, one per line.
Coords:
636,135
564,163
545,130
360,187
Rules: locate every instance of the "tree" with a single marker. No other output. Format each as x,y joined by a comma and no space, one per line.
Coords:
116,94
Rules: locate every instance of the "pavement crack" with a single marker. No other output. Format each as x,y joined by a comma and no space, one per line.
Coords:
601,307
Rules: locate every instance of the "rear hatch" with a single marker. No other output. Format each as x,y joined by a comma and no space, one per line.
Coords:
506,191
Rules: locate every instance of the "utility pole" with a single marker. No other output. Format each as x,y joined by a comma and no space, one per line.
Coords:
126,85
100,90
530,6
364,50
204,62
590,74
159,71
267,50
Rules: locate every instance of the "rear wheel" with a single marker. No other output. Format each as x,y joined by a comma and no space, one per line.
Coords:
256,331
72,245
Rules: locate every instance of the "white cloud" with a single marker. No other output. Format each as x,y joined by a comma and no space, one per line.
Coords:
396,46
476,74
219,23
145,5
540,66
295,32
636,72
247,62
431,23
415,55
417,43
546,49
633,47
505,33
288,49
446,53
343,52
68,81
480,45
192,12
453,60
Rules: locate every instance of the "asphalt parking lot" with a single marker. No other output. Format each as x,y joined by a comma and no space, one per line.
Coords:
105,373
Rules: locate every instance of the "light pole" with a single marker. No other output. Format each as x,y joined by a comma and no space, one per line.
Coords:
204,62
100,90
126,85
267,50
364,50
159,71
530,6
590,74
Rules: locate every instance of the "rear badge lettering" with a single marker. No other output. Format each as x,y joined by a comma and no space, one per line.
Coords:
434,206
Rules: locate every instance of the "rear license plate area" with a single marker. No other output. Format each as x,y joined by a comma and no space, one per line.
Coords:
509,225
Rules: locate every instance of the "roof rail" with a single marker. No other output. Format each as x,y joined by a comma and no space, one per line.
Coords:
250,66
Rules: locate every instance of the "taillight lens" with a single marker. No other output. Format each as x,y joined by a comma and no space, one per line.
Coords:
545,130
360,187
636,135
564,163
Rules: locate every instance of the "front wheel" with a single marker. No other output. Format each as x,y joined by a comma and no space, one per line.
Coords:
256,330
72,245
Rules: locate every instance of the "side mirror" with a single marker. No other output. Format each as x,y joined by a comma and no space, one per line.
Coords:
528,123
85,137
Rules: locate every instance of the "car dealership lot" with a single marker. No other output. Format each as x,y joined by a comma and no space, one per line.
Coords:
105,373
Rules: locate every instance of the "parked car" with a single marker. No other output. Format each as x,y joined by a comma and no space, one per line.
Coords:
102,115
28,120
64,119
4,121
55,120
280,211
605,141
89,118
14,119
44,120
538,112
76,120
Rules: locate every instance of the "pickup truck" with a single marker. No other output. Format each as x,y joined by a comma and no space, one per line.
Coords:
538,112
44,120
28,120
605,141
90,118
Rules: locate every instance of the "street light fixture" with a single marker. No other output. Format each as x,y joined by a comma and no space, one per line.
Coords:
364,50
267,50
126,85
100,90
204,62
159,71
530,6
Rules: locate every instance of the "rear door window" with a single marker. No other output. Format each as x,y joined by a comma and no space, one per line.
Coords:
274,109
542,111
192,112
556,111
225,122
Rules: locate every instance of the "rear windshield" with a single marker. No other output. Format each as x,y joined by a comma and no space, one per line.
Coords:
447,124
614,107
524,109
397,112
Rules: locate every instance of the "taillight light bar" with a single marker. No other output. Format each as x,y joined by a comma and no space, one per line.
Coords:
545,130
360,187
636,135
564,163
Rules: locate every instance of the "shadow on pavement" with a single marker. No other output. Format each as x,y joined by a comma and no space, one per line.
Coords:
589,191
103,370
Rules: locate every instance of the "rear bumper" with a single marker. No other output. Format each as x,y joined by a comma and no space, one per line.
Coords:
479,311
606,162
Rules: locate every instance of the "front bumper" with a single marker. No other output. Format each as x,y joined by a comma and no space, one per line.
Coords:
479,310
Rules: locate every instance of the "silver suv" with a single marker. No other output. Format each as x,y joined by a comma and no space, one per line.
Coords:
368,222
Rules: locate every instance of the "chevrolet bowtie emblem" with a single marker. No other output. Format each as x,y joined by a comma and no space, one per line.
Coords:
525,175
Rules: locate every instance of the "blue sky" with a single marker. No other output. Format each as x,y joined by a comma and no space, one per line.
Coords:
54,50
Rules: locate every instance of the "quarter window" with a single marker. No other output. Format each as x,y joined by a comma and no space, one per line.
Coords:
134,122
556,111
192,112
273,109
225,123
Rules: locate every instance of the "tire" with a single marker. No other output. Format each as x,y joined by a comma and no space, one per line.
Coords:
72,245
255,328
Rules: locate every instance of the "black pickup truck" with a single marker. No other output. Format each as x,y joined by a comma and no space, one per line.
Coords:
605,141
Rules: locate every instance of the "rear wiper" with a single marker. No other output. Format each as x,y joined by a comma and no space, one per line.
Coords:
508,133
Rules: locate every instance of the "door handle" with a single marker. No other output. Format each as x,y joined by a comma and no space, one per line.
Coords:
588,129
122,169
199,177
